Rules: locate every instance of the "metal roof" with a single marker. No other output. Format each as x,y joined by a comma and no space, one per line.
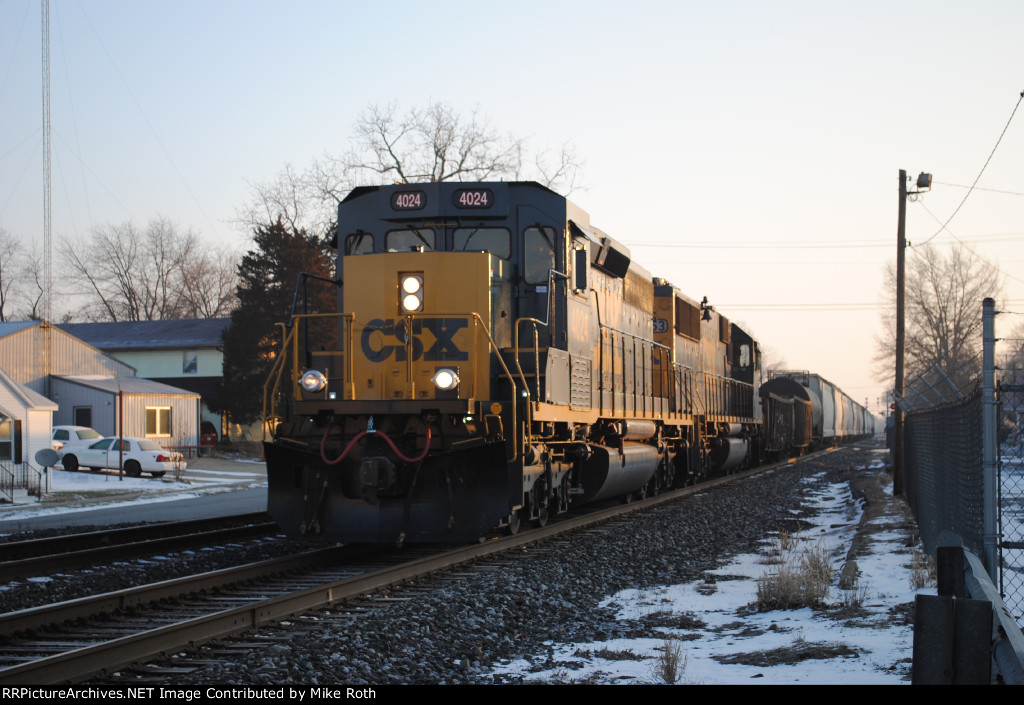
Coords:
128,385
31,399
11,327
151,335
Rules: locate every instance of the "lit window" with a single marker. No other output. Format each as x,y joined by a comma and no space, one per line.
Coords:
158,421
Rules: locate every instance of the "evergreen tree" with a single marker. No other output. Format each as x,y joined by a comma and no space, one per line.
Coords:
267,277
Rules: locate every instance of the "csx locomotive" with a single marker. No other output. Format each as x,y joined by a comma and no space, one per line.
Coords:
496,359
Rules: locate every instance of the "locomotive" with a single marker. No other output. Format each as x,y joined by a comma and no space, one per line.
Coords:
494,360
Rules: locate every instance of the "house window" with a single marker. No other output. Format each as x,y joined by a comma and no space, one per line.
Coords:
158,421
6,441
189,362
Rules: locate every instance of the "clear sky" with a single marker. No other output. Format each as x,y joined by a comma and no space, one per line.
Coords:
746,151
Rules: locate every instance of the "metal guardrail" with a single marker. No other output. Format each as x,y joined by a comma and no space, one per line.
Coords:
966,629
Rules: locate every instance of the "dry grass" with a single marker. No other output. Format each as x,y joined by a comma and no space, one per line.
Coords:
800,650
802,578
671,663
854,598
922,571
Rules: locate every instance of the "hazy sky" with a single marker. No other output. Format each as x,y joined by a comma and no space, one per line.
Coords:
746,151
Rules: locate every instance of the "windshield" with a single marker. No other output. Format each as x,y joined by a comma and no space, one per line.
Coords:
407,240
497,241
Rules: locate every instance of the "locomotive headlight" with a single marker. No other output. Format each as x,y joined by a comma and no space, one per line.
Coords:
445,379
313,381
411,286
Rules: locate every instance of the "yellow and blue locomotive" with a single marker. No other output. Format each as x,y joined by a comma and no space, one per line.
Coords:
495,359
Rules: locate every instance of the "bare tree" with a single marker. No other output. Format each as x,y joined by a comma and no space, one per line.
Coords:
433,143
286,197
36,290
208,284
11,265
130,274
943,313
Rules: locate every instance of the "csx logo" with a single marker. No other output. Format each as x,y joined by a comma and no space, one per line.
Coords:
443,329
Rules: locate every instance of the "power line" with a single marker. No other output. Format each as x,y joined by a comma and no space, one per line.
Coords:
801,245
979,188
971,189
965,245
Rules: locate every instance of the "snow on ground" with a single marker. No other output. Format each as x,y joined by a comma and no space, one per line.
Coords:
712,622
79,491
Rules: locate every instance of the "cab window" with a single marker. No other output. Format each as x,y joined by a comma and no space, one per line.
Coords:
538,254
497,241
408,240
359,244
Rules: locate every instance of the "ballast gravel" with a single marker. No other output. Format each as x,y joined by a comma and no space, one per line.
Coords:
449,630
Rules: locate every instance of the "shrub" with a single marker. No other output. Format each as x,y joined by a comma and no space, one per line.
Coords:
802,579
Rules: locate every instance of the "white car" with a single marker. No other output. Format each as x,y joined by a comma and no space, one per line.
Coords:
66,437
140,455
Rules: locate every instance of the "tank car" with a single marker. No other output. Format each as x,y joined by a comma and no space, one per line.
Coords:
495,359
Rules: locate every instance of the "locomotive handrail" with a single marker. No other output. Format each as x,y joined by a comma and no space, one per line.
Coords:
270,387
273,383
536,363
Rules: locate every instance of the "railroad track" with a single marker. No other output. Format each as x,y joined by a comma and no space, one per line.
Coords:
36,557
172,615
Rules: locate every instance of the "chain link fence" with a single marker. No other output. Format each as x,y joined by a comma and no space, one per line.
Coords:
964,458
1008,357
944,481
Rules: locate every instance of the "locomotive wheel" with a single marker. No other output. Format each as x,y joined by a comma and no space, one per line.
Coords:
653,487
542,518
514,522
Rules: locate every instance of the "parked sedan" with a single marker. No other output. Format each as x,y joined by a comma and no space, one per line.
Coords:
67,437
140,455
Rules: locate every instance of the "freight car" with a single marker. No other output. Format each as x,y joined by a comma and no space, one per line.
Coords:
805,411
495,359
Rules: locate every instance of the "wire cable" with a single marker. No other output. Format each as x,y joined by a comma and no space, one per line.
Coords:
970,190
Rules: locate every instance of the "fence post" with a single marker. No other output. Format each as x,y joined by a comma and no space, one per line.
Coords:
989,438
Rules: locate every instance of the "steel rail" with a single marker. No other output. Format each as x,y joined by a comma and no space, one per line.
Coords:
104,537
133,542
45,616
81,663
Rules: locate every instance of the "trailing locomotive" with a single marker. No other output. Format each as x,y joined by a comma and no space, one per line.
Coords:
496,359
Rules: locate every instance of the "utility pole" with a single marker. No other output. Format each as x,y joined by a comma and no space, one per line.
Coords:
901,247
924,181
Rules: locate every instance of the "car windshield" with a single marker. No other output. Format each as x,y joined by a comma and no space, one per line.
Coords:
147,444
